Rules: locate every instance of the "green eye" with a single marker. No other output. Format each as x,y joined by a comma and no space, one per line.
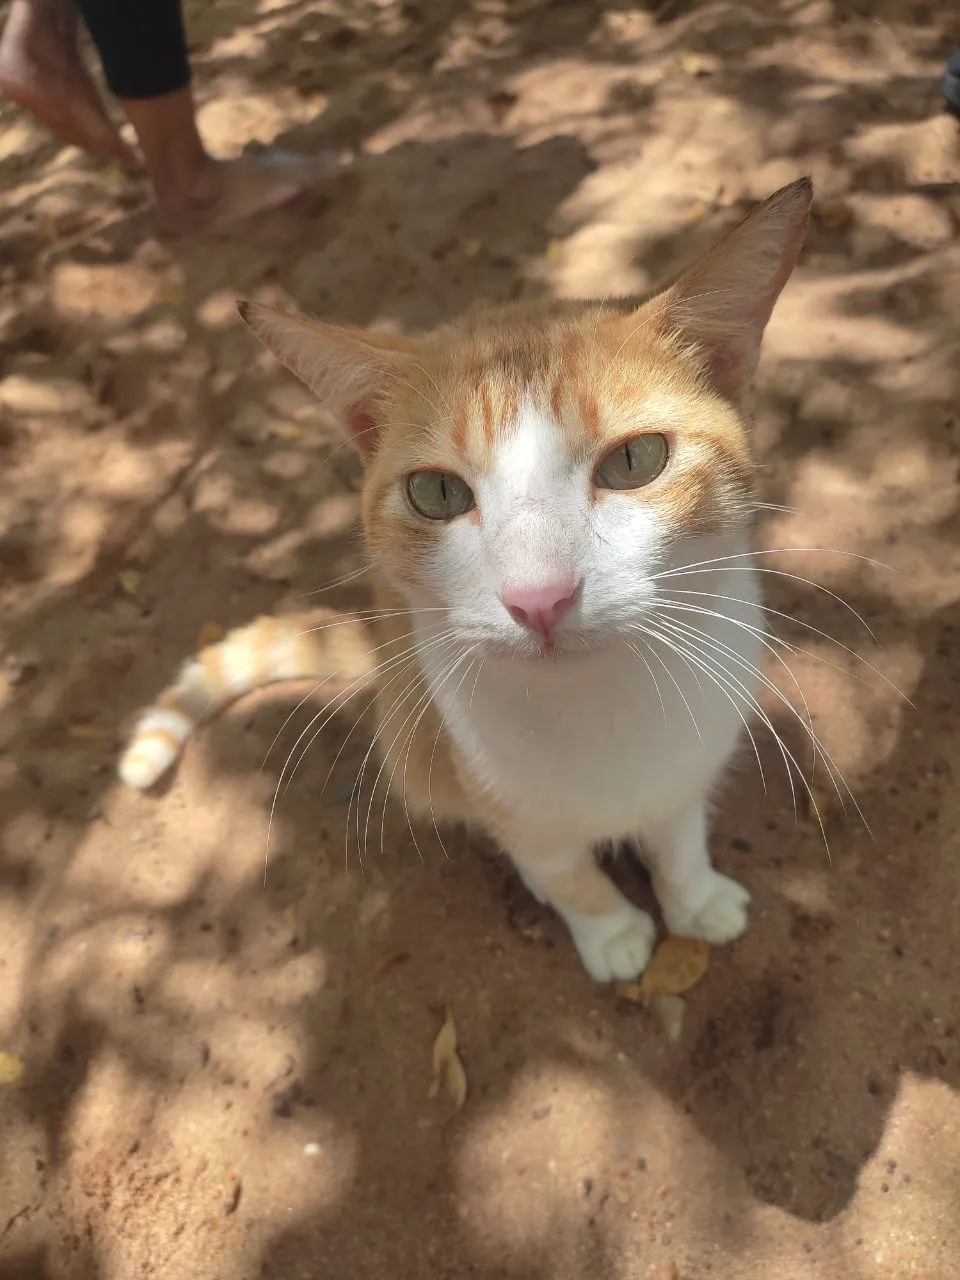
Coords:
633,463
439,495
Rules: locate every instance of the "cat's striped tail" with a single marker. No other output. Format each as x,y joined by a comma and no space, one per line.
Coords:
321,645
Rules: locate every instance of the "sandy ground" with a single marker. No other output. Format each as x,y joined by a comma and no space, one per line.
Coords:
226,1077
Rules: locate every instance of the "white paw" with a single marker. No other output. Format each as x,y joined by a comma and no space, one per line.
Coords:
614,947
714,908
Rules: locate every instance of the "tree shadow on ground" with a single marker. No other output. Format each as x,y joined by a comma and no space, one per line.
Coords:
211,478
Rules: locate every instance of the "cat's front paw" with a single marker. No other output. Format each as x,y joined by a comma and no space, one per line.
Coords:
713,908
615,947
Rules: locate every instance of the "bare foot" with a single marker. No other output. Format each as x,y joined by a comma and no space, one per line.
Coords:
41,69
228,191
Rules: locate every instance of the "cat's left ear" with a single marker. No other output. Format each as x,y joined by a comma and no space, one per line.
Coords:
347,369
723,303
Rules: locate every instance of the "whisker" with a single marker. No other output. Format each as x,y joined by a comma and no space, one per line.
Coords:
807,626
383,721
642,656
743,719
696,636
307,696
411,658
365,678
329,710
419,711
433,753
337,582
676,684
723,679
794,577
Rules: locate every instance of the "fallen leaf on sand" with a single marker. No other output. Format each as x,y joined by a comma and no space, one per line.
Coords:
11,1069
209,634
129,579
448,1071
677,965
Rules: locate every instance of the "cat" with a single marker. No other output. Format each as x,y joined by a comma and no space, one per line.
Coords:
549,492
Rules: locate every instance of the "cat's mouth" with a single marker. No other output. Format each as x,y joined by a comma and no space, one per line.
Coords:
552,651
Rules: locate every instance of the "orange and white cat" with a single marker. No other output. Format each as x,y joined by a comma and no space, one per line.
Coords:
548,491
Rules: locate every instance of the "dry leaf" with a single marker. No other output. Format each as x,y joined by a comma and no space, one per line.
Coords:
129,579
677,965
472,248
89,732
448,1070
209,634
11,1069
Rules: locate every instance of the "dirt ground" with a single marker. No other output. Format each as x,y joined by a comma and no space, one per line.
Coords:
225,1076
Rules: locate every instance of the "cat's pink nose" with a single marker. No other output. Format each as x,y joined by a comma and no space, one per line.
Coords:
540,608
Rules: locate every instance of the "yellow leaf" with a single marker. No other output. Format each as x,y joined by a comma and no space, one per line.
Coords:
677,965
448,1070
129,579
11,1069
287,431
89,732
209,634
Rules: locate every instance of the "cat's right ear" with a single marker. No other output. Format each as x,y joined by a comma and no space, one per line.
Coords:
346,369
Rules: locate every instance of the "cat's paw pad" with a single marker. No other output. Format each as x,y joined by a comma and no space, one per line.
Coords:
716,910
614,947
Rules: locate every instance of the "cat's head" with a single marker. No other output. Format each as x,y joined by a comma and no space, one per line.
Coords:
529,469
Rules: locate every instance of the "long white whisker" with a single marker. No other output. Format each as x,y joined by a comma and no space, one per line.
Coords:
795,577
328,710
799,622
419,711
437,644
726,694
642,656
307,696
430,766
676,684
695,635
337,582
723,678
408,661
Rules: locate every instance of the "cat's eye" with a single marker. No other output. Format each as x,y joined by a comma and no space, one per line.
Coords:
439,495
634,463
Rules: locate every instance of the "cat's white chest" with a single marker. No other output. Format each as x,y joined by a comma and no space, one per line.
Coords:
595,749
